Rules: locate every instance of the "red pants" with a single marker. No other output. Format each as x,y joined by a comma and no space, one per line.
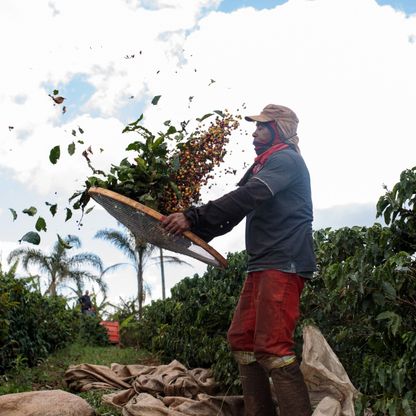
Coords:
267,312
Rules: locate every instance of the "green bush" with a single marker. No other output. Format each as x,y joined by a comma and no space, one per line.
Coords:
32,325
191,326
90,332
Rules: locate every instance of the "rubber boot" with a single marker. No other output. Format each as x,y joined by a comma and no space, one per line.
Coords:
256,390
291,392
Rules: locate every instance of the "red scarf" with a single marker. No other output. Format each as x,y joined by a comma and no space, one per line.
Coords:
261,159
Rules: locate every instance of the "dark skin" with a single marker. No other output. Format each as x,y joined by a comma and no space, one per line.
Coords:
177,223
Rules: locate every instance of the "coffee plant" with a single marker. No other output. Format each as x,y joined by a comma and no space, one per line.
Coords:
33,325
168,168
191,325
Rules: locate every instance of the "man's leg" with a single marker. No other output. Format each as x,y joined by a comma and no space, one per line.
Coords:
277,314
254,380
256,386
290,388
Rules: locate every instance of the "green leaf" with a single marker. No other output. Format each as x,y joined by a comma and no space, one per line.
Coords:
40,224
80,130
406,407
71,148
204,117
171,130
167,123
74,133
379,298
175,163
156,99
398,379
394,320
63,243
68,214
53,209
141,164
89,210
389,290
30,211
175,189
55,154
55,92
14,213
157,143
219,112
31,237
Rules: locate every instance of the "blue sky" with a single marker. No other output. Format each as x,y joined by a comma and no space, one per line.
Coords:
408,6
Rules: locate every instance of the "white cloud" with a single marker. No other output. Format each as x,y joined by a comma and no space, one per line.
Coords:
345,66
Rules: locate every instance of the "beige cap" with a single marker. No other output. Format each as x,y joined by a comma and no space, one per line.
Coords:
285,119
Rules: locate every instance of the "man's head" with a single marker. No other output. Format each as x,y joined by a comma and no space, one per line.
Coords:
87,293
280,119
264,136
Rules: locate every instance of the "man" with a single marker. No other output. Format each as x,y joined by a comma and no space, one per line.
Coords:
85,302
275,197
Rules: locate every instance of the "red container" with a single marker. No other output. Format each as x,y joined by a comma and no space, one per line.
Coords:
113,331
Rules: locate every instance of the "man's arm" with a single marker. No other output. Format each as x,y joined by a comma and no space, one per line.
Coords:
222,215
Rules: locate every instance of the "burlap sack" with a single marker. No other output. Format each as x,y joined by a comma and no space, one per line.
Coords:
44,403
329,386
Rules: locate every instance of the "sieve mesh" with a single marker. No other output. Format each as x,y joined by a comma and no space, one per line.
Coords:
148,229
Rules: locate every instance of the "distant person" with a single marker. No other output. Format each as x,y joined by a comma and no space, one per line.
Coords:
86,305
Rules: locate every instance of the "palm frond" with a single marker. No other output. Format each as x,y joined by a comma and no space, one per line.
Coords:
31,256
169,259
82,259
117,266
118,239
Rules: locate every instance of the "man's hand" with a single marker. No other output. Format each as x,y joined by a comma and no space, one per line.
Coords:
176,223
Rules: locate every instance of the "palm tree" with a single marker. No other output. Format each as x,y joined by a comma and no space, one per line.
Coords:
138,252
58,266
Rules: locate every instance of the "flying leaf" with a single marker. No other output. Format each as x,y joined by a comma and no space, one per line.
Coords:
71,148
14,213
74,133
219,112
53,208
68,214
85,154
63,243
89,210
74,196
30,211
55,154
156,99
81,141
40,224
80,130
57,100
55,92
171,130
31,237
204,117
